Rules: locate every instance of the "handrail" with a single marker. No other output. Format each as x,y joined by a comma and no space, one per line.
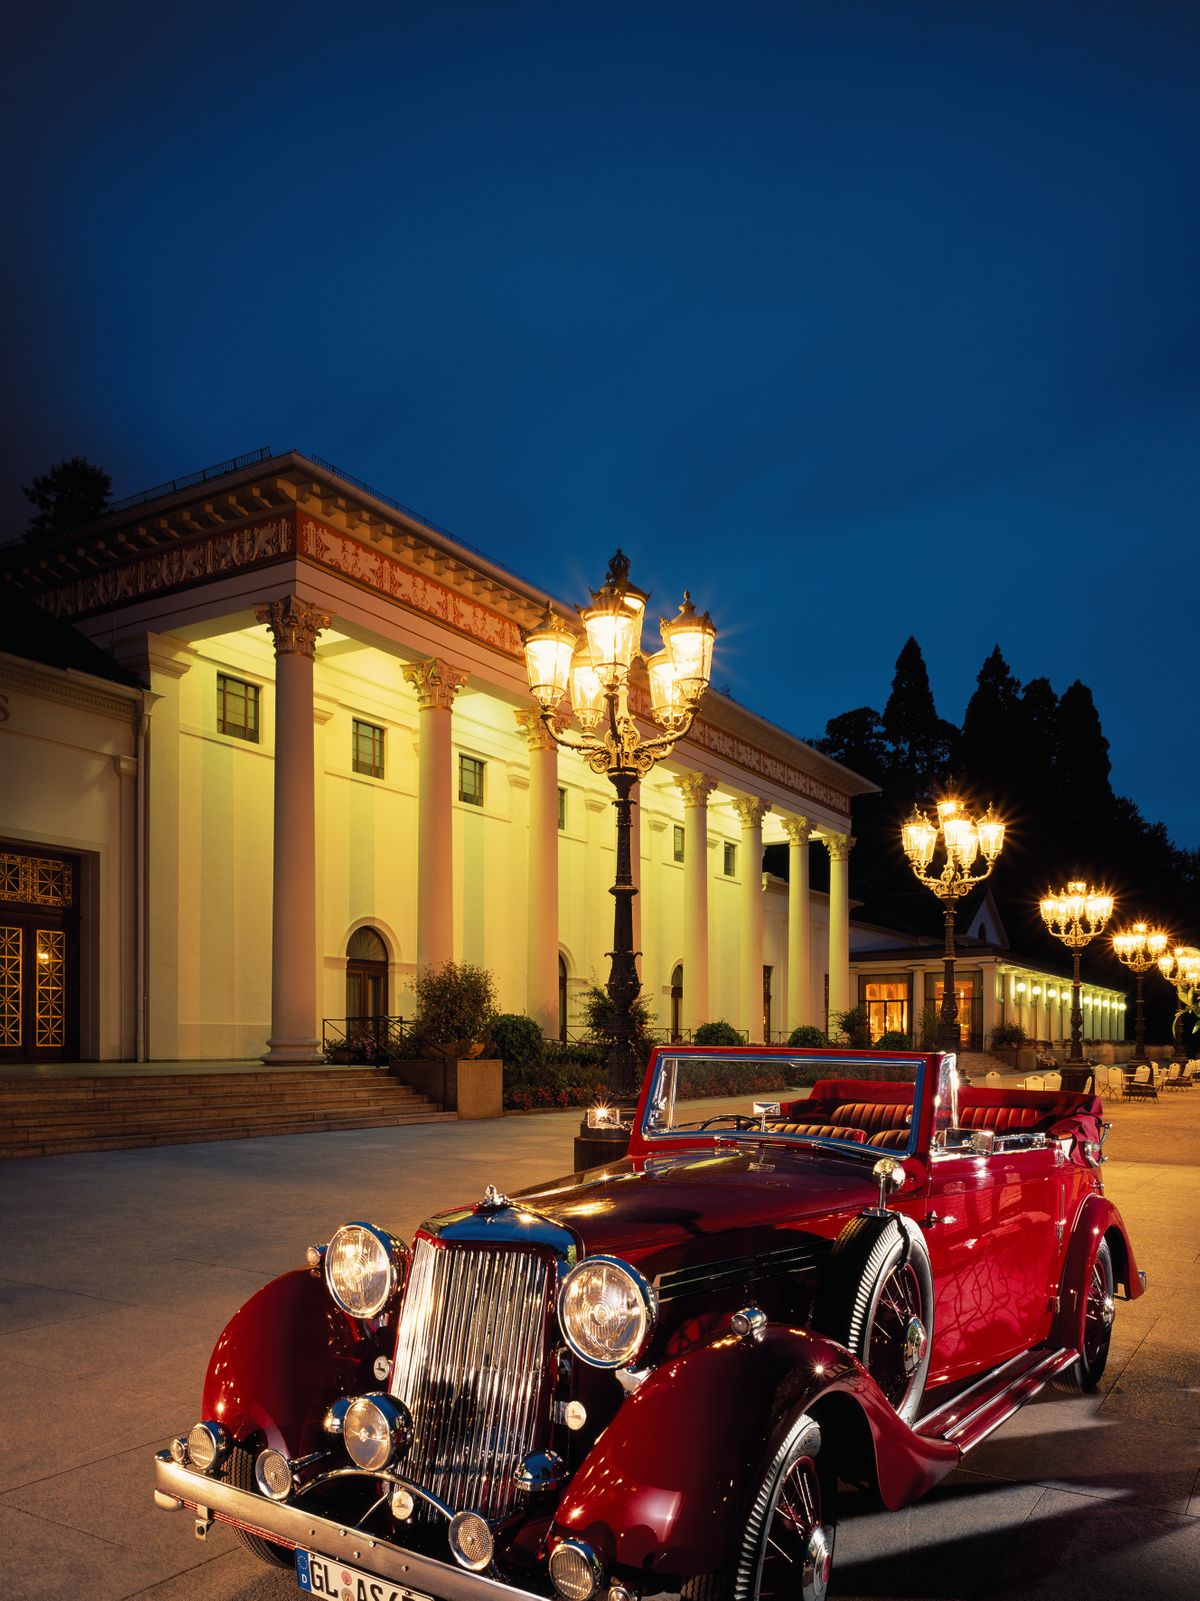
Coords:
173,485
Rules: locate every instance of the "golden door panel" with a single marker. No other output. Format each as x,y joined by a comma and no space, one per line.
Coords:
10,988
50,989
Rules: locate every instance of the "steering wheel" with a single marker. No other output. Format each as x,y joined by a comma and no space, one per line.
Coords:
739,1120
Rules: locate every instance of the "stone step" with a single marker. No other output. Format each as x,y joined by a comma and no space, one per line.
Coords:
106,1087
19,1106
52,1145
153,1121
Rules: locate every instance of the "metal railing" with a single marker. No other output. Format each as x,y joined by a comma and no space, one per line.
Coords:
372,1041
250,459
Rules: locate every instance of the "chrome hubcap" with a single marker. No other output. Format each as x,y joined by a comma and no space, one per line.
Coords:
1108,1311
915,1341
818,1560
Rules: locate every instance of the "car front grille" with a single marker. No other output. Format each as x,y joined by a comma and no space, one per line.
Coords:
470,1361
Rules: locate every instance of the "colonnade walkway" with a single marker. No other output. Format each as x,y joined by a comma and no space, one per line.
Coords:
121,1268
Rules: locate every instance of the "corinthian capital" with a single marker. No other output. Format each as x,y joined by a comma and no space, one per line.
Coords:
531,725
695,788
839,846
294,625
436,682
797,829
751,811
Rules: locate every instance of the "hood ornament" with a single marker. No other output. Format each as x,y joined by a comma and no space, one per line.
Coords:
493,1200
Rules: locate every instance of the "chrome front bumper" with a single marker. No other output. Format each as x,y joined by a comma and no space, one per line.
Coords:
176,1486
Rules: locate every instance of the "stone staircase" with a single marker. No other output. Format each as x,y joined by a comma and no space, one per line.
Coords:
977,1064
53,1117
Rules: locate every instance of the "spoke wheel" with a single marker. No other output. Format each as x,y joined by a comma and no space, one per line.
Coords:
877,1300
1095,1334
786,1549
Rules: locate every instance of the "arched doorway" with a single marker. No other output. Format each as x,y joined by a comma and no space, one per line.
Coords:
677,1001
562,998
39,956
366,974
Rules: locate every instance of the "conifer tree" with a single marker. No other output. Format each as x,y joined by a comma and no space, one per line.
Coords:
991,733
922,745
70,495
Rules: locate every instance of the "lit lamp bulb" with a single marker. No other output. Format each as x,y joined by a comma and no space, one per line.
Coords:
667,702
587,692
689,641
919,837
548,651
614,624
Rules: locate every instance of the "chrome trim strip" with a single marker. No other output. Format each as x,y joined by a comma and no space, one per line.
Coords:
732,1271
295,1527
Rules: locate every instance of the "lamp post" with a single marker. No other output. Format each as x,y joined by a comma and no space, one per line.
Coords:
964,840
1076,915
593,670
1140,948
1181,969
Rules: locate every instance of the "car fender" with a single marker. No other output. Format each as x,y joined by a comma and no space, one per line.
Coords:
667,1484
1097,1219
281,1360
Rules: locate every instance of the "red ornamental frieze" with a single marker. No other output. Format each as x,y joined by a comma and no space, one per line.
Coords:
387,576
173,568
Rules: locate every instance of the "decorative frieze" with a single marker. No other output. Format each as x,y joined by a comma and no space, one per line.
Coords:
294,625
436,683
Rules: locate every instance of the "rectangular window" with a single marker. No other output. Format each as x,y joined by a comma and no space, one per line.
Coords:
470,780
677,843
730,861
562,808
368,748
237,708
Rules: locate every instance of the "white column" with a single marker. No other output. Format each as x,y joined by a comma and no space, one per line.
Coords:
541,916
750,813
168,660
121,1031
436,684
655,979
799,943
294,625
839,847
695,789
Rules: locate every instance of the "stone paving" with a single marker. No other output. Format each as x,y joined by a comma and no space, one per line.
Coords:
120,1269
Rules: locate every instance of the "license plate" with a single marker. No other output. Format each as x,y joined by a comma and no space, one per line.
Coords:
335,1581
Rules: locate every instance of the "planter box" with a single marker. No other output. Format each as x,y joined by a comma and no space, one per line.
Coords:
1027,1059
471,1086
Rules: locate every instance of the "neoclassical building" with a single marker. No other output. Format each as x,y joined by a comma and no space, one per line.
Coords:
293,758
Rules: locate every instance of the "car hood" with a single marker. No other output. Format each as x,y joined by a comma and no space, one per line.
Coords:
646,1205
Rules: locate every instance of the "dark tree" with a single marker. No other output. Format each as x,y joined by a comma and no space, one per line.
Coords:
990,750
1081,780
922,744
71,495
1039,730
857,739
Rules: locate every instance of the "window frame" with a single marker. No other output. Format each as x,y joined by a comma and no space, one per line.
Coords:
678,843
373,771
729,858
477,762
250,733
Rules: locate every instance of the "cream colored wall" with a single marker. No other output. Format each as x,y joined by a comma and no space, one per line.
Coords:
61,786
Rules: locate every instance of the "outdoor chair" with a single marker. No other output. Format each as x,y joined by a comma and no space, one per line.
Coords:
1053,1080
1142,1086
1115,1077
1174,1078
993,1080
1189,1074
1034,1081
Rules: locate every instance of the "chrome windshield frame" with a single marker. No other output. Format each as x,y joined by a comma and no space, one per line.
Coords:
662,1077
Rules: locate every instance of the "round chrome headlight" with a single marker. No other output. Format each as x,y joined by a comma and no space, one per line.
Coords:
607,1312
362,1268
375,1431
207,1446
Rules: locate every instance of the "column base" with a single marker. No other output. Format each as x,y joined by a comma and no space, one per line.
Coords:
301,1052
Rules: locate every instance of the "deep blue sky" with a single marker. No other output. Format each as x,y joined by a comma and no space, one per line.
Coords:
860,319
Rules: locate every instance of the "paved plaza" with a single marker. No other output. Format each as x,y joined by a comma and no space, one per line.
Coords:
120,1269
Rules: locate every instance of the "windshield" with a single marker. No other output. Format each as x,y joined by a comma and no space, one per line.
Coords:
863,1102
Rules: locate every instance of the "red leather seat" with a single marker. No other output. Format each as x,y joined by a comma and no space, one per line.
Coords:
821,1131
870,1115
890,1139
1004,1119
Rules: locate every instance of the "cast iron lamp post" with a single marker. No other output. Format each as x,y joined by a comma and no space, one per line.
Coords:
1140,948
964,840
594,671
1076,915
1181,969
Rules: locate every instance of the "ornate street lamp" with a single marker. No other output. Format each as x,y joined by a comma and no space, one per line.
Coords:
1181,969
593,672
1140,948
1076,915
964,840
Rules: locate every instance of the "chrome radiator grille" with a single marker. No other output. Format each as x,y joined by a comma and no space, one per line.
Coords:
469,1367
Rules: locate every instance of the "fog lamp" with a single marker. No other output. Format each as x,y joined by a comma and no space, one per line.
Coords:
207,1444
575,1570
402,1504
471,1541
376,1430
273,1475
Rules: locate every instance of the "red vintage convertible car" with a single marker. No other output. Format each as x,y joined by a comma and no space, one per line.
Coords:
652,1375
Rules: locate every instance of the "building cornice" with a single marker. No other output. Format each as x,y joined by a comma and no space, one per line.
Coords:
73,687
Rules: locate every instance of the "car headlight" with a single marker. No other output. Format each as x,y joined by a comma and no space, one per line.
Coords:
376,1431
362,1268
607,1312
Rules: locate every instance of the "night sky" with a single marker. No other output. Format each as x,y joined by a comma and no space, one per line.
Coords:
861,320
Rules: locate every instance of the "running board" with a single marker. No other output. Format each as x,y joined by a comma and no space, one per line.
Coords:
979,1411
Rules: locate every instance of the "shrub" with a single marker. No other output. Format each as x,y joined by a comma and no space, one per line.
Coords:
598,1016
856,1025
893,1040
931,1022
809,1036
456,1002
718,1033
1006,1036
518,1040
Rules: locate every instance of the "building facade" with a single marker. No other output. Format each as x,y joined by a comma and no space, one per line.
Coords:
331,775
